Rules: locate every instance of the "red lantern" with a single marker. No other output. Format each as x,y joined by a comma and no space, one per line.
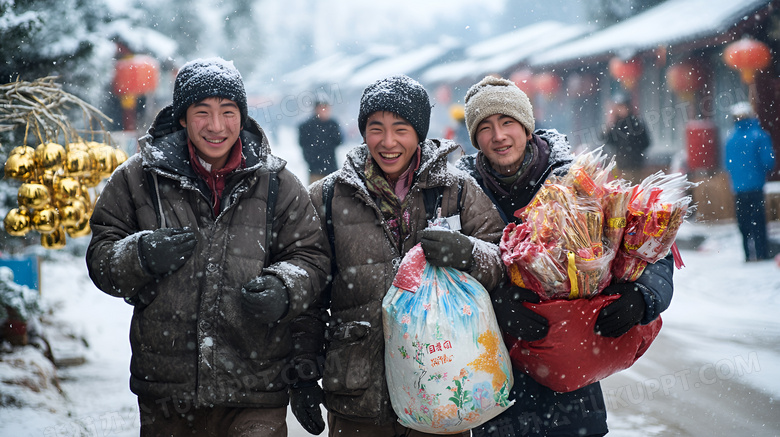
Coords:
686,78
524,79
547,83
136,75
748,56
626,72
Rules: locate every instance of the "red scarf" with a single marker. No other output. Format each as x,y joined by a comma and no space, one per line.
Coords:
216,179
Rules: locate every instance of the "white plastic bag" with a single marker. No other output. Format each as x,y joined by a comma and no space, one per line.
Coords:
446,364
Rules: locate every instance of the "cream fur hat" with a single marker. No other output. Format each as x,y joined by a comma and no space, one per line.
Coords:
493,95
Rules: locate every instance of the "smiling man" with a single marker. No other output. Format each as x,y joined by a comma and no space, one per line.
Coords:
218,247
378,208
511,165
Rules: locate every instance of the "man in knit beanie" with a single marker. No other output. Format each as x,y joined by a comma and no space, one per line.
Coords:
218,247
512,164
375,209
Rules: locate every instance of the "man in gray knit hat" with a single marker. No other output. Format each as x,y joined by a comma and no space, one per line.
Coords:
512,164
218,247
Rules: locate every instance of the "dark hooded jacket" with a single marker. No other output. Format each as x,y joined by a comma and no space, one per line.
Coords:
539,410
367,257
195,340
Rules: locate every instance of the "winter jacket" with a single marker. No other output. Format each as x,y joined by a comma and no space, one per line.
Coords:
318,140
628,139
580,412
367,257
195,340
749,156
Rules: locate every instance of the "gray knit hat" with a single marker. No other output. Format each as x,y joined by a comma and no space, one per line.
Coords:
399,94
204,78
493,95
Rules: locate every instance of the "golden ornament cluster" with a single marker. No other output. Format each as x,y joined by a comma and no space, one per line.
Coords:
54,198
59,182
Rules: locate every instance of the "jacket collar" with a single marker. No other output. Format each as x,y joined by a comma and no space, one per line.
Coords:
432,171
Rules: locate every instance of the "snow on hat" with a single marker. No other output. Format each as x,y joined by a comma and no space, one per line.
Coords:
494,95
401,95
742,110
204,78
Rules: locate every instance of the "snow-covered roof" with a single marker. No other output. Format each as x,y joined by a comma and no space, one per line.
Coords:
669,23
142,39
408,63
332,69
495,55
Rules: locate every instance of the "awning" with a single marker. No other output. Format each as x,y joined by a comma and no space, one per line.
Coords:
671,22
499,53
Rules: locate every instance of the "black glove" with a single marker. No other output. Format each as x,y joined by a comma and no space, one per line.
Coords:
165,123
446,248
515,318
266,297
305,405
165,250
622,314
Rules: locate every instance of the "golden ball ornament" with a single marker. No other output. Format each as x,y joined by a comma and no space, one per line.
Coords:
46,220
103,160
78,163
67,188
33,196
22,150
54,240
20,166
70,215
17,222
49,156
81,229
78,145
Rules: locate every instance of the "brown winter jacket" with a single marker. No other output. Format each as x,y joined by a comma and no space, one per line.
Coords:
367,258
195,340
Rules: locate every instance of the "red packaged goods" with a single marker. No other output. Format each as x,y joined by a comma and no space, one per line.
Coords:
576,235
656,210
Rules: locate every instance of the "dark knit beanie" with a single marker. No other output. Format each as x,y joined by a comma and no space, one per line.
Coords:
401,95
203,78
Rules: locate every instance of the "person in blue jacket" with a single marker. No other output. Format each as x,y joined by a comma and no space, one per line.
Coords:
749,160
511,165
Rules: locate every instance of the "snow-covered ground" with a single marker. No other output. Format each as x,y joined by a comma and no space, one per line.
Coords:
713,370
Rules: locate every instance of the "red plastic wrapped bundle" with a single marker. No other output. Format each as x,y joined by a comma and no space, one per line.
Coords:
656,210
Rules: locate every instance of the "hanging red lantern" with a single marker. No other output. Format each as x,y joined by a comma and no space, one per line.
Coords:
626,72
547,83
748,56
136,75
524,79
685,78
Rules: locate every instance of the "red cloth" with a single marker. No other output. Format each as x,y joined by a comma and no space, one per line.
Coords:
572,356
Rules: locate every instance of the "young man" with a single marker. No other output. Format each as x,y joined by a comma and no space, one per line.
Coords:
319,136
749,160
512,164
217,246
378,211
627,138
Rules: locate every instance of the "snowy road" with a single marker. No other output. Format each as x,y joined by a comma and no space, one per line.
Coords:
714,369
